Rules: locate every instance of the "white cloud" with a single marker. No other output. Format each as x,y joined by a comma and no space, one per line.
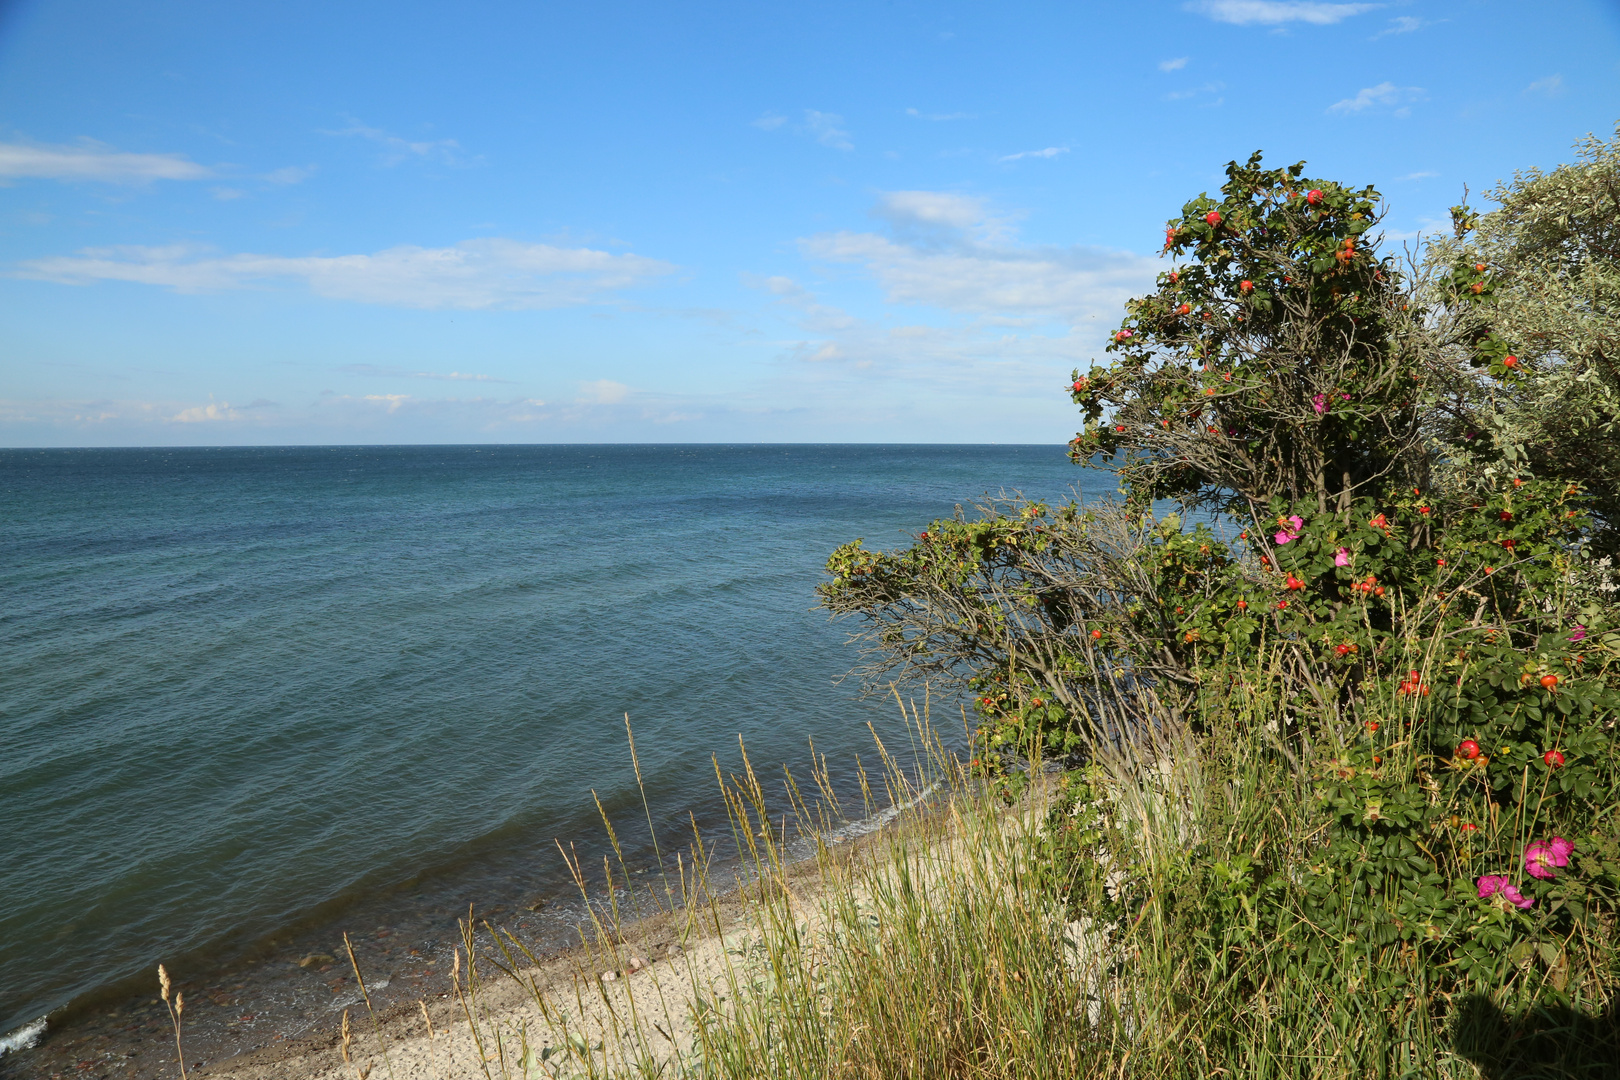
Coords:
1277,12
1418,176
602,392
1551,86
941,116
1401,24
401,373
974,312
397,417
1173,65
212,412
226,194
1049,152
488,413
769,122
930,208
474,274
827,129
1064,284
985,359
966,262
1385,94
397,149
939,218
92,161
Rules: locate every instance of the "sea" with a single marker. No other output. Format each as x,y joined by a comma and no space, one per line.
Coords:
252,699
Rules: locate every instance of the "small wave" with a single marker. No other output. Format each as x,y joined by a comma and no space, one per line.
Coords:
877,821
23,1038
355,997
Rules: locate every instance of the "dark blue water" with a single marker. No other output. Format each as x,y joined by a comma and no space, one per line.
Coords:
246,692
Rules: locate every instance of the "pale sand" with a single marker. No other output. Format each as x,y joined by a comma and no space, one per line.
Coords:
644,1017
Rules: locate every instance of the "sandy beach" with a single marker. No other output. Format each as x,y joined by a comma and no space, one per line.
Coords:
623,999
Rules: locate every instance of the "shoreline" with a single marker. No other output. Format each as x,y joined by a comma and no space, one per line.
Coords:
595,984
297,1005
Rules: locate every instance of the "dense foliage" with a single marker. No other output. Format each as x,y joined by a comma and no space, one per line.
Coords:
1413,619
1538,279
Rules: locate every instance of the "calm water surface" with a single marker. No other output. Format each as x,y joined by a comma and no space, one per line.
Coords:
250,696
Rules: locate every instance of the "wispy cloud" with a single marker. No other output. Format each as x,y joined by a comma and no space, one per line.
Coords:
941,116
292,174
952,254
1418,176
1277,12
1049,152
212,412
1551,86
216,420
1212,89
980,318
602,392
827,129
935,218
769,121
1173,65
396,149
1385,94
404,373
1401,24
474,274
488,412
93,161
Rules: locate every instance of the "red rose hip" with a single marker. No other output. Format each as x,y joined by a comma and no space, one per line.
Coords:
1468,749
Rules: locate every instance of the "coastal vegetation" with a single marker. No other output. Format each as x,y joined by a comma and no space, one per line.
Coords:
1371,658
1297,760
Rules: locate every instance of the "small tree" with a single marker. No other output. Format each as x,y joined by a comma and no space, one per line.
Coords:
1535,290
1279,360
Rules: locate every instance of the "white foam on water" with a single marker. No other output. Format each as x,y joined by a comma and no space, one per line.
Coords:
23,1038
877,821
355,997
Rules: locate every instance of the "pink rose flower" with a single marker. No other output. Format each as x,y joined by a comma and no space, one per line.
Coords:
1579,634
1319,402
1286,534
1496,885
1543,859
1538,861
1341,557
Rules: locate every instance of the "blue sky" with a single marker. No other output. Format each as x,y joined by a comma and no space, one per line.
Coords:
234,223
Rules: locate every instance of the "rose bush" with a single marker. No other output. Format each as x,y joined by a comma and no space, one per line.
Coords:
1400,660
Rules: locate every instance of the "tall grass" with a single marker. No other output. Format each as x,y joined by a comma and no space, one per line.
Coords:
1111,923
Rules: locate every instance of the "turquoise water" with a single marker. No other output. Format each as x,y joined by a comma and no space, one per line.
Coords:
253,694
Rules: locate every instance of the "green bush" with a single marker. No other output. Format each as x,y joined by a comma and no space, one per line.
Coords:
1400,678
